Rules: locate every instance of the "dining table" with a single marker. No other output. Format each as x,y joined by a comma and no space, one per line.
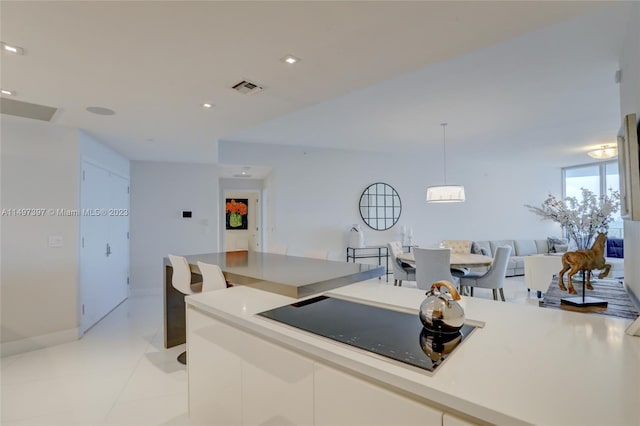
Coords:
458,260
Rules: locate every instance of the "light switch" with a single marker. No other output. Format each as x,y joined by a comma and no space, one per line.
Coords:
55,241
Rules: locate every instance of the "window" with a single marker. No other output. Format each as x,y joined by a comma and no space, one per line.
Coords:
596,177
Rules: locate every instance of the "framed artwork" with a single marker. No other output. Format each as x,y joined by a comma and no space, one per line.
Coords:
237,211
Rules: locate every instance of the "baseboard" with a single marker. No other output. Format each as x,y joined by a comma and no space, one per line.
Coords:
149,291
39,342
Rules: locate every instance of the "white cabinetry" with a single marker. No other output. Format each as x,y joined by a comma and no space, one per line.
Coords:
214,370
451,420
236,378
342,399
277,384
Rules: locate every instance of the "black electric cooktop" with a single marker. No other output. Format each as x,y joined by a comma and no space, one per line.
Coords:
392,334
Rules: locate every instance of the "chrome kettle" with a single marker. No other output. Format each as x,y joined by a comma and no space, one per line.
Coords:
440,312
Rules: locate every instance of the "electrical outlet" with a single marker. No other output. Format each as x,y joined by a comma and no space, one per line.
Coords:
55,241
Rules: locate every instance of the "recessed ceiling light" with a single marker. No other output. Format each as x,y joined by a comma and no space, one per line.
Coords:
9,48
100,110
207,105
7,92
244,173
290,59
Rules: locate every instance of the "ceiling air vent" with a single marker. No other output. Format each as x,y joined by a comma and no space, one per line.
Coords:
26,109
247,87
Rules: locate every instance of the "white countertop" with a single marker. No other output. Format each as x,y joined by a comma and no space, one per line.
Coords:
528,365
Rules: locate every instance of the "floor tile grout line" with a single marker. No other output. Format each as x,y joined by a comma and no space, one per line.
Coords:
133,370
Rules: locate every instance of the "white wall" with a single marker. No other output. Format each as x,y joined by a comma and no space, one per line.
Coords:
38,283
315,195
159,194
630,103
93,150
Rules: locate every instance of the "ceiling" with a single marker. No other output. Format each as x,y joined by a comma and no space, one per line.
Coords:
373,75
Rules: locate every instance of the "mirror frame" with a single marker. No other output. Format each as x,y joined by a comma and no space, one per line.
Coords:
380,206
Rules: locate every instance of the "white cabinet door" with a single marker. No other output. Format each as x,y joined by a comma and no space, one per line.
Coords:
214,369
342,399
277,385
236,378
451,420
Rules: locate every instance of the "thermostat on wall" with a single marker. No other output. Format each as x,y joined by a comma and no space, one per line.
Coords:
186,214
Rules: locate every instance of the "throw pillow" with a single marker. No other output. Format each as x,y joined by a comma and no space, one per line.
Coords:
475,248
555,243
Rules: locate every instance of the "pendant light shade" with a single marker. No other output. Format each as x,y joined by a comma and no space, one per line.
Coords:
445,193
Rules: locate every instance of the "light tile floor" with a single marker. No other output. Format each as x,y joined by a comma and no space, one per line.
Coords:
119,373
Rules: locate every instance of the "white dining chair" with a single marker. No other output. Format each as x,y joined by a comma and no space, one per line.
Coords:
181,281
493,278
317,254
458,246
212,277
432,264
401,270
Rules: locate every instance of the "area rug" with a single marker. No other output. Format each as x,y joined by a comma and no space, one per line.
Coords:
613,291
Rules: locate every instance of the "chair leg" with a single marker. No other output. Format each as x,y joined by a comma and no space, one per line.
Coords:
395,282
182,358
502,294
495,294
471,291
399,283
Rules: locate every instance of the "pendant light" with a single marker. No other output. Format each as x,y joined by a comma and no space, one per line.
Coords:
445,193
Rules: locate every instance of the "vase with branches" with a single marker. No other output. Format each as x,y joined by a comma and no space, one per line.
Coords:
581,219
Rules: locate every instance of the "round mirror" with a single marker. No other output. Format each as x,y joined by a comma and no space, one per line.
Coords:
380,206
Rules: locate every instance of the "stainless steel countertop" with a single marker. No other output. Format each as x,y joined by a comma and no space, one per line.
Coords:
287,275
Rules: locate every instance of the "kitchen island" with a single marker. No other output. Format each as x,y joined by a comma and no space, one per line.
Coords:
288,275
525,366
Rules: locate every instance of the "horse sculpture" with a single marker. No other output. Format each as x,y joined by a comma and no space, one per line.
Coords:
584,260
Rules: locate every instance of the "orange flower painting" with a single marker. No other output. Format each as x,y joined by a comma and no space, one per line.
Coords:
236,212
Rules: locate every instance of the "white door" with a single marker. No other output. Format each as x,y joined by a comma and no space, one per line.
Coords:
118,259
104,245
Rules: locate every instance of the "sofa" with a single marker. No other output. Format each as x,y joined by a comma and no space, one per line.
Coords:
522,248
